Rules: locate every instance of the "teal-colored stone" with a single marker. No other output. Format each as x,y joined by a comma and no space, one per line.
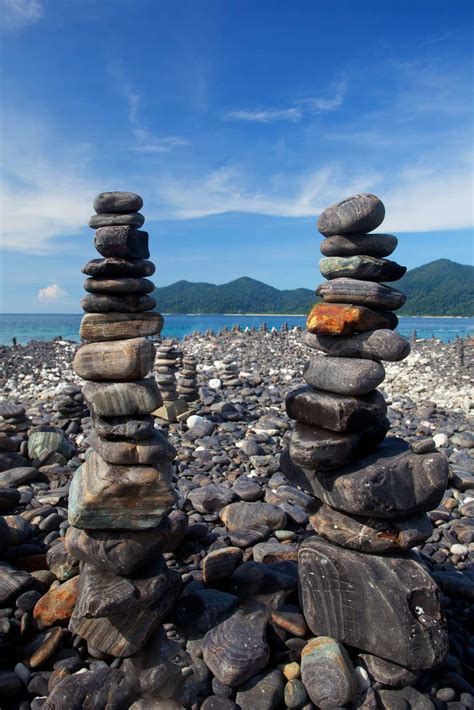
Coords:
54,440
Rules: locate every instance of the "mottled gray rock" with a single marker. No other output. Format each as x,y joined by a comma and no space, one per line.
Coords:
343,375
111,399
154,449
134,428
327,673
117,267
361,267
392,482
101,688
154,667
263,691
116,202
122,242
237,649
335,412
12,582
211,498
122,360
383,344
18,476
358,213
362,293
387,672
398,595
241,515
377,245
375,535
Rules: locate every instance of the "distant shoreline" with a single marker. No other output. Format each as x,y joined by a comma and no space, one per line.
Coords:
283,315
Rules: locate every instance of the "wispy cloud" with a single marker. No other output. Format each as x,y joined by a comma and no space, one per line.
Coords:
17,14
300,109
51,293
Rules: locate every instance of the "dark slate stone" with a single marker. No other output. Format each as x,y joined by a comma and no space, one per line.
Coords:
211,498
101,688
123,242
125,284
263,691
383,344
199,610
390,483
129,428
374,535
387,672
117,202
363,293
9,497
356,598
364,267
114,267
343,375
336,412
103,303
154,667
378,245
327,673
237,649
133,219
359,213
152,450
241,515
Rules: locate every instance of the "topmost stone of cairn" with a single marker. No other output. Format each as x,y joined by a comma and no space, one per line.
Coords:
113,202
360,213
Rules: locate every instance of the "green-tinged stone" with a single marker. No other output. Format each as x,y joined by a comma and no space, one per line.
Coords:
327,672
170,411
130,497
361,267
118,326
46,438
115,399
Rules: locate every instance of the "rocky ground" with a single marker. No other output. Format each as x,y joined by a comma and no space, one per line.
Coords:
228,558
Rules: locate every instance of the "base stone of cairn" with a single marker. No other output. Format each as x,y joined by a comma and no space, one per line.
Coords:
121,495
359,581
166,365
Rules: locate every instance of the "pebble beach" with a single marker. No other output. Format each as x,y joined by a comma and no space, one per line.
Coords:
228,447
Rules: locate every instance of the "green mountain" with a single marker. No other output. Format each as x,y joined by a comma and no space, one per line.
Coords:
440,288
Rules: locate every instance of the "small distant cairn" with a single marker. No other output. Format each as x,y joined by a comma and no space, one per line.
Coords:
359,581
284,327
70,408
120,497
166,365
459,349
187,381
229,374
263,328
13,418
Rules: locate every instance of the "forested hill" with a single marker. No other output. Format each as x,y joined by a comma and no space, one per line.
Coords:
440,288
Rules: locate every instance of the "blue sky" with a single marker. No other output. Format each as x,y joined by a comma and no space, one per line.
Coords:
237,122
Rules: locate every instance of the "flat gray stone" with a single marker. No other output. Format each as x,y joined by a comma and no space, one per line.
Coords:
377,245
359,213
341,375
126,303
363,267
114,267
110,399
336,412
132,219
118,284
116,202
364,293
381,344
398,595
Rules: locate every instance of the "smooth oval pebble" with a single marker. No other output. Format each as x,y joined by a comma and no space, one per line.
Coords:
130,303
343,375
118,285
327,673
295,694
219,564
378,245
117,202
381,344
359,213
134,219
362,293
117,267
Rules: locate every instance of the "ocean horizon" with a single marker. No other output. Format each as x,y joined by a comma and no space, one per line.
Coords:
26,327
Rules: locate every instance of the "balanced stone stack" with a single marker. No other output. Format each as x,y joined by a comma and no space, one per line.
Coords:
13,418
69,405
359,581
166,365
230,372
120,497
187,388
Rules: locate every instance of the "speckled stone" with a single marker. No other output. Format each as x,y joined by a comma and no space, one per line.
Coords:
339,413
358,213
130,497
334,319
362,293
119,326
392,482
117,202
375,535
381,344
122,360
327,673
398,595
343,375
377,245
364,267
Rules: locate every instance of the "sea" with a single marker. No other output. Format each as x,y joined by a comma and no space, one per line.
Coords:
26,327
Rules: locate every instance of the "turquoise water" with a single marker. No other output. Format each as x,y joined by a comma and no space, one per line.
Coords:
25,327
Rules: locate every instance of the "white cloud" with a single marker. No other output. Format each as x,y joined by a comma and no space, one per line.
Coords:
321,105
51,293
19,13
266,115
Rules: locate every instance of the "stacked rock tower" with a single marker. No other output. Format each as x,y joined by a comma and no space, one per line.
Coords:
187,381
120,497
359,581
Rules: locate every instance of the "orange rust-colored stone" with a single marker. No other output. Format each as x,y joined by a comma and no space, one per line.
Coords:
335,319
57,605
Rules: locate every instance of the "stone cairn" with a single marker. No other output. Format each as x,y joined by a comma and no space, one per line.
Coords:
13,418
120,497
166,365
359,581
187,388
